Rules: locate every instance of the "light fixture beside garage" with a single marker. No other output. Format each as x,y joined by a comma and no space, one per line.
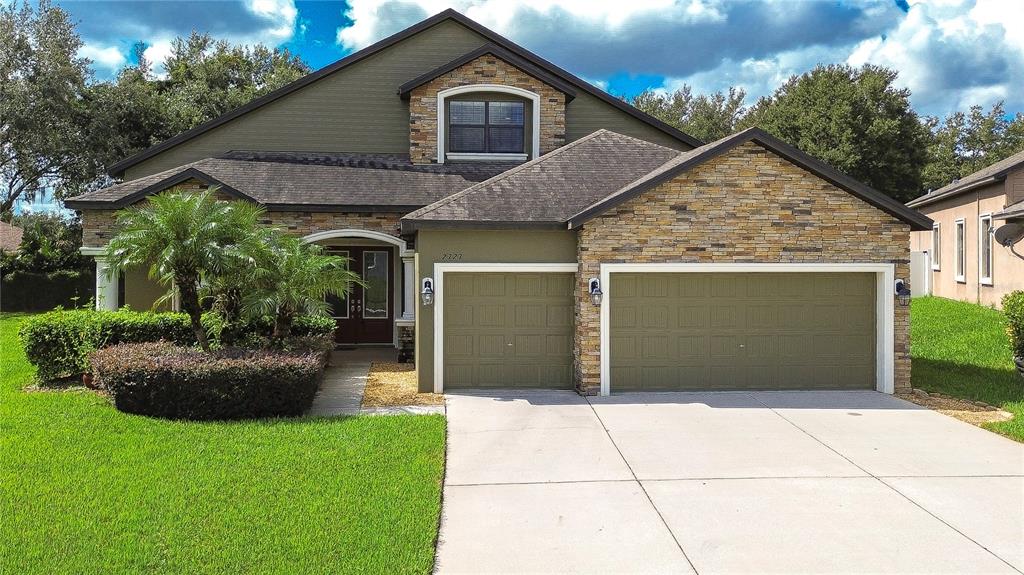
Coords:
427,293
595,291
902,292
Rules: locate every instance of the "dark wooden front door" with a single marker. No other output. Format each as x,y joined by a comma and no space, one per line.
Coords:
367,315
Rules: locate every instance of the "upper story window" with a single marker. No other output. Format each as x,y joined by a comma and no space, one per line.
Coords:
486,127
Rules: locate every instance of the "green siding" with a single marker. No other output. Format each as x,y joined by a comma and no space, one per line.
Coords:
357,109
477,246
508,330
718,331
587,114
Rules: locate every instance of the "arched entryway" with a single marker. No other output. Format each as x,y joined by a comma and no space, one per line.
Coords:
378,313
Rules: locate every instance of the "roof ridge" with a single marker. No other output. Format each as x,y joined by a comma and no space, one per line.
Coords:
446,200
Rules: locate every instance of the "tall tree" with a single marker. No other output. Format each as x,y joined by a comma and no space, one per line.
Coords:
964,143
203,78
706,117
42,105
854,119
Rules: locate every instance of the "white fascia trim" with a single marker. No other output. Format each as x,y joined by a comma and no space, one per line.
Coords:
936,256
885,332
960,251
403,250
441,269
985,281
445,94
90,251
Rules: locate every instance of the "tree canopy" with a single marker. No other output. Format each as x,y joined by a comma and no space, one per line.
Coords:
59,126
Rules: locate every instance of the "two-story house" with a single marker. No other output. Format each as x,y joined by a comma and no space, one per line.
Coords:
519,227
964,260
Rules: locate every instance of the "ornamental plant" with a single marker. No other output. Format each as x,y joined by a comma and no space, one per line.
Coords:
183,237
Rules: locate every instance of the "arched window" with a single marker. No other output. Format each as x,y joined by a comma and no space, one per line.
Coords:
487,122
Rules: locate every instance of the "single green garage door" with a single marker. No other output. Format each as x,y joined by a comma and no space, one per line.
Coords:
508,330
713,331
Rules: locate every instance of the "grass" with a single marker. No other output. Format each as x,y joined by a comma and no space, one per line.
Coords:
961,349
87,489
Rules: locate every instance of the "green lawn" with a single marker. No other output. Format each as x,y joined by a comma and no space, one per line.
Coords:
961,349
87,489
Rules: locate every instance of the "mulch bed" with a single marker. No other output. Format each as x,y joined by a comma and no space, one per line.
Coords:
395,385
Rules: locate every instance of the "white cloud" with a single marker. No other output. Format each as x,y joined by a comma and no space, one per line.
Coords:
107,58
374,20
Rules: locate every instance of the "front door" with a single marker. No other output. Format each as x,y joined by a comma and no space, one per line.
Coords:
366,315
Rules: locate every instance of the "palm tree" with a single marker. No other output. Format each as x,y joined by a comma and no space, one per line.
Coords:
298,281
183,237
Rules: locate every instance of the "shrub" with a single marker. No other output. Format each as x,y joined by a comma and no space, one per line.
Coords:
32,291
1013,307
164,380
58,343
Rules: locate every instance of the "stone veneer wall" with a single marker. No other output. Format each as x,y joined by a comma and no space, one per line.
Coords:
487,69
747,205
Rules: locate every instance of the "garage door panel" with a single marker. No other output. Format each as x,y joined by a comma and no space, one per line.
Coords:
692,316
530,315
654,317
517,332
743,331
624,316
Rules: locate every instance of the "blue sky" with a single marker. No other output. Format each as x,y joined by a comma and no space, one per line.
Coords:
950,53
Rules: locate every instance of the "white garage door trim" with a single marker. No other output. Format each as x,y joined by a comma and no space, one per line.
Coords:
441,269
884,304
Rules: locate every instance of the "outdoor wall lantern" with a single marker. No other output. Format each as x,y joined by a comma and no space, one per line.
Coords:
595,291
427,293
902,293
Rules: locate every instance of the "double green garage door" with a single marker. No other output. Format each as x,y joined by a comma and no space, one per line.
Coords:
668,331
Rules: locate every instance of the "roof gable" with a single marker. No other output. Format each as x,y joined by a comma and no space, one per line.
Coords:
688,160
405,90
566,79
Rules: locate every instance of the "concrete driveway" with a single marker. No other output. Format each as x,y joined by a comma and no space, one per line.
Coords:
783,482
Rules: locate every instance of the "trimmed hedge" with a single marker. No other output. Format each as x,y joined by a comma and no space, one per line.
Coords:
164,380
1013,308
31,291
58,343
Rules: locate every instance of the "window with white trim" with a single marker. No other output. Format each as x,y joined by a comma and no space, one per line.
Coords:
961,258
936,246
985,249
487,127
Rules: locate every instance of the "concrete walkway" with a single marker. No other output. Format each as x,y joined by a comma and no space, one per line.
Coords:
804,482
341,392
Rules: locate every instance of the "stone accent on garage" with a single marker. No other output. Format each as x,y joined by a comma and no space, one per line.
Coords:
748,205
487,69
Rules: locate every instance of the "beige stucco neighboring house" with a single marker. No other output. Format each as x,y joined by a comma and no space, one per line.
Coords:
965,261
519,227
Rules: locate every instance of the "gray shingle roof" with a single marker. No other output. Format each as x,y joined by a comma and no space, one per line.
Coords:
567,187
550,189
987,174
309,179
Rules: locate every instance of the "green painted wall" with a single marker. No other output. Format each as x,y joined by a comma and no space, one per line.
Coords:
357,109
477,246
139,291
